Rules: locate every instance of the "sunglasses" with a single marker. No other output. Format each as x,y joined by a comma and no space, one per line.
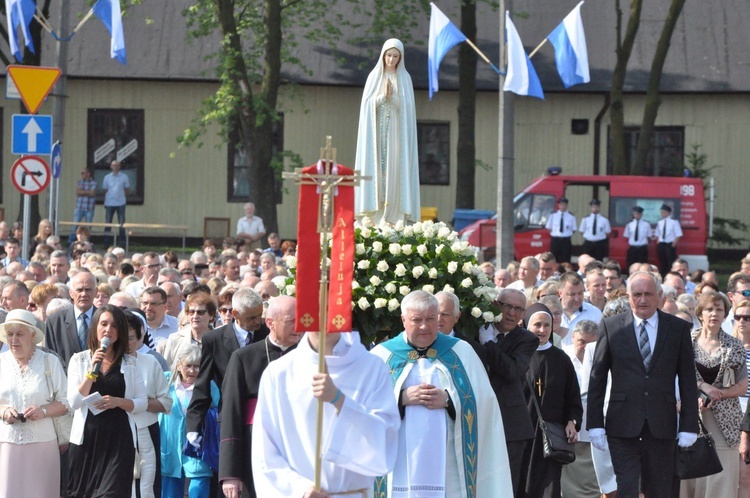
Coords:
742,318
199,312
225,310
745,292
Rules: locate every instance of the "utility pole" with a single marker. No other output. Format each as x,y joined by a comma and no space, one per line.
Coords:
60,94
506,156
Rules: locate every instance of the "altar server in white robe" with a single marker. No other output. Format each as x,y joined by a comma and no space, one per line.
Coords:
451,441
360,421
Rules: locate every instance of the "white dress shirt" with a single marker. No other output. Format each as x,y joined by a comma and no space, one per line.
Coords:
644,232
673,230
569,224
602,228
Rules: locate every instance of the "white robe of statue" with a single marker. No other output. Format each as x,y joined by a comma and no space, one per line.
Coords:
387,142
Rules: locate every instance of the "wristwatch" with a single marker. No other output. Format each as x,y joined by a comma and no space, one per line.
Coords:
44,411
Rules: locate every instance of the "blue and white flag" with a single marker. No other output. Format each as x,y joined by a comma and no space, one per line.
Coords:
108,12
571,55
520,77
444,35
19,13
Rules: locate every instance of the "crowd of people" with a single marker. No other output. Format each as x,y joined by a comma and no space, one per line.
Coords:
115,372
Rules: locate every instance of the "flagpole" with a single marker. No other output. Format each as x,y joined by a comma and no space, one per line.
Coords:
537,48
83,21
486,59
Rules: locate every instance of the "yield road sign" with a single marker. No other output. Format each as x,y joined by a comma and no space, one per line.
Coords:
56,160
31,134
30,175
34,83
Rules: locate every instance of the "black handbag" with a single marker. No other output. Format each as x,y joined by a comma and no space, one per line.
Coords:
554,440
700,459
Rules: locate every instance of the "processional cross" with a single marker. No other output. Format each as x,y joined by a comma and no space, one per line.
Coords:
326,180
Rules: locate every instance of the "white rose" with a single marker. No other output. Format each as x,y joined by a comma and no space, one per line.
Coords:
417,227
290,290
377,246
291,262
452,267
444,232
365,233
456,247
400,270
380,303
363,264
476,270
428,224
476,312
428,288
466,268
488,317
393,304
367,222
375,280
399,226
382,266
390,288
362,303
417,271
432,273
470,252
478,291
404,290
360,249
406,249
408,231
422,249
394,249
355,284
483,278
466,283
279,282
386,231
448,288
499,317
491,293
429,232
439,249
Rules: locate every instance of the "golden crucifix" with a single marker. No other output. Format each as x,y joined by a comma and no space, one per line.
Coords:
326,181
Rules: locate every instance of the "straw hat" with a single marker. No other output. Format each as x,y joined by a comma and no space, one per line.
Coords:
21,317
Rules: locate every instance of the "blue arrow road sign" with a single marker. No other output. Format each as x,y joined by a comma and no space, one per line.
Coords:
56,160
31,134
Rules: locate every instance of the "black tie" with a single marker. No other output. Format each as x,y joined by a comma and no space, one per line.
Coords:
636,231
664,231
562,215
594,230
248,339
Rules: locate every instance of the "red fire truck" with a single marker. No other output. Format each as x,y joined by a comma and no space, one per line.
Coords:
619,194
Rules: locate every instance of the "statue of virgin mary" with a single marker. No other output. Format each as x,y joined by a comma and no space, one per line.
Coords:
387,142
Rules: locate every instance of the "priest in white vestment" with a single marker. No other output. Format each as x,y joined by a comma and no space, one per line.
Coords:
360,421
451,441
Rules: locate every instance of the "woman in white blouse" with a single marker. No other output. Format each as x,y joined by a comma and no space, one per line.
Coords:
159,401
28,442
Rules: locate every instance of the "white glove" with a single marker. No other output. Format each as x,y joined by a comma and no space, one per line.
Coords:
598,438
194,439
685,439
486,333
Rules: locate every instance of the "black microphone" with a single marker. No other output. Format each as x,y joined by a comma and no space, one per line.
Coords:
98,364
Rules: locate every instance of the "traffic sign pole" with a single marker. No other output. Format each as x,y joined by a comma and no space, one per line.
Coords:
26,223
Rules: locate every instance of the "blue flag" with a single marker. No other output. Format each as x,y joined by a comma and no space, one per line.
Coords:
444,35
571,55
108,12
521,77
19,13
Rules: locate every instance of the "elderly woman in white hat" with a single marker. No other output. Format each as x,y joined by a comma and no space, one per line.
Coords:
28,442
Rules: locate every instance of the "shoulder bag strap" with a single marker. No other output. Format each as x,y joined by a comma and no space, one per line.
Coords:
47,375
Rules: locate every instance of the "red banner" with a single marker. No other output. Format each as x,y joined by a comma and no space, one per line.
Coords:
342,259
308,257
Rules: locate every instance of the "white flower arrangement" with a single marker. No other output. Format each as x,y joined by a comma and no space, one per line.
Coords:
391,261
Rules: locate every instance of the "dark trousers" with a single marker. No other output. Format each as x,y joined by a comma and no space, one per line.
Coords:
109,214
597,250
515,457
636,254
643,459
562,248
667,254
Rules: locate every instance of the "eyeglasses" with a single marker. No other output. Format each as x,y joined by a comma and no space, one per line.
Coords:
510,307
199,312
151,303
742,318
745,292
225,310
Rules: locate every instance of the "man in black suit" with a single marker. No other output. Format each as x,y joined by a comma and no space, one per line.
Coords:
66,331
644,351
240,393
508,349
217,347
